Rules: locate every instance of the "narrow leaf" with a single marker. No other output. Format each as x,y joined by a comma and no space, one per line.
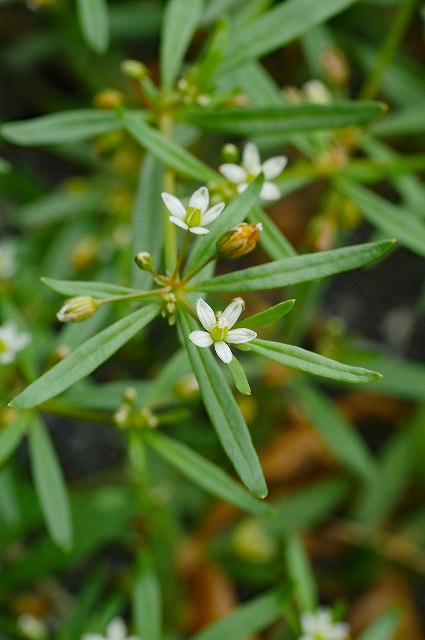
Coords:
272,239
50,485
383,627
85,359
98,290
223,411
58,128
180,21
94,21
146,600
281,273
11,436
239,376
166,150
301,573
267,316
204,473
313,363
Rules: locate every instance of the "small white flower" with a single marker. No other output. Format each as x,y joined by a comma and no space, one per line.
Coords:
7,259
320,626
197,215
219,330
11,341
243,175
116,630
316,92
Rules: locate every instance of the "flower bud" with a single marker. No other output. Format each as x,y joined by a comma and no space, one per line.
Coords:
144,260
108,99
133,69
335,66
239,241
77,309
230,153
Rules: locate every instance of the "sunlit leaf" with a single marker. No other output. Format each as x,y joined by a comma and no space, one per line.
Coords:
94,20
239,376
267,316
98,290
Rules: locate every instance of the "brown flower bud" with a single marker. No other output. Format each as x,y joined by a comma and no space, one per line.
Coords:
239,241
76,309
108,99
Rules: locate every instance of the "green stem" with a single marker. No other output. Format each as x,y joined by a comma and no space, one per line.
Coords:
181,255
170,240
57,408
192,275
389,47
132,296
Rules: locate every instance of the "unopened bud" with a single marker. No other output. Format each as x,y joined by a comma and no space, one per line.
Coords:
239,241
133,69
108,99
335,66
144,260
316,92
77,309
230,153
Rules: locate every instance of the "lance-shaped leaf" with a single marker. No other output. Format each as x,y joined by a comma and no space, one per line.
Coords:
405,226
11,436
239,376
204,473
301,573
146,600
94,21
285,119
313,363
98,290
223,411
312,266
50,485
85,359
58,128
267,316
383,627
232,215
166,150
272,239
179,23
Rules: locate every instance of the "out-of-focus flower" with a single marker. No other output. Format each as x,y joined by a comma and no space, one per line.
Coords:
243,175
116,630
316,92
11,341
319,625
32,627
197,215
7,260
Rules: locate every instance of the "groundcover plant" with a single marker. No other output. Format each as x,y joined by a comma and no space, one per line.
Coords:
203,434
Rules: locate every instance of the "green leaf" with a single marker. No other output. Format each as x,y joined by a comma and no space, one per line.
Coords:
277,27
94,21
85,359
285,119
166,150
50,485
223,411
162,386
239,376
11,436
301,574
313,363
383,627
405,226
58,128
407,121
313,266
267,316
180,21
272,239
98,290
248,619
232,215
204,473
146,600
339,435
10,508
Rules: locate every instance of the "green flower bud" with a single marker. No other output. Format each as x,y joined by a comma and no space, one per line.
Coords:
77,309
230,153
144,261
133,69
239,241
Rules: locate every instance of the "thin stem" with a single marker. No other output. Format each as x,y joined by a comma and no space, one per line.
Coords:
57,408
131,296
389,47
170,240
192,275
181,255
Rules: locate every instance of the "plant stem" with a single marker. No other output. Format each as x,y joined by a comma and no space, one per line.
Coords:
389,47
132,296
181,255
170,240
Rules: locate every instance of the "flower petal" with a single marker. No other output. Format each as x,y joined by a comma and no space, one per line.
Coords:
251,159
200,199
233,311
178,222
205,314
92,636
239,336
274,167
212,213
201,338
174,205
223,351
270,191
233,172
241,187
199,231
116,630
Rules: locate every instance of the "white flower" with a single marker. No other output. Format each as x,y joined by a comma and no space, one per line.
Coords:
320,626
251,167
11,341
316,92
217,328
116,630
196,215
7,259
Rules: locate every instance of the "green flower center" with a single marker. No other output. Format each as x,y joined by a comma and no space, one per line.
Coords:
250,177
193,217
3,346
218,334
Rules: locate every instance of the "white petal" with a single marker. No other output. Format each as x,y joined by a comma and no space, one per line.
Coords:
205,314
251,159
178,222
233,311
92,636
233,172
223,352
212,213
174,205
241,187
269,191
200,199
199,231
239,336
7,357
201,338
21,341
274,167
116,629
